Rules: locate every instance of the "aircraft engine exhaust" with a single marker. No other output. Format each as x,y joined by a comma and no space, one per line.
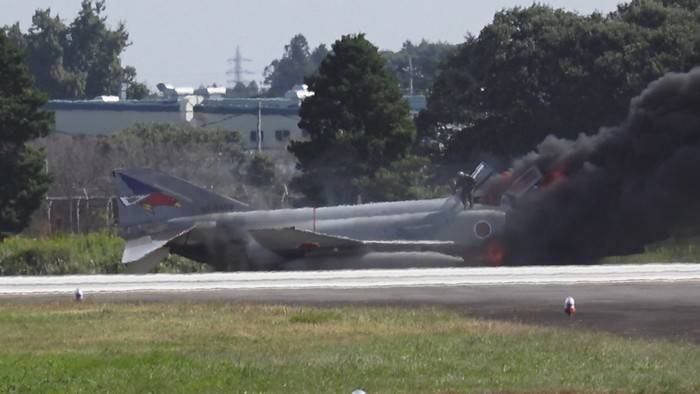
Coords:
615,191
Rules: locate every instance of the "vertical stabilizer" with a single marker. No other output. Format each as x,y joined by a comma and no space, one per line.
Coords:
150,196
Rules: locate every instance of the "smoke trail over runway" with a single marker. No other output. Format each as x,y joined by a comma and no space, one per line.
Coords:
617,190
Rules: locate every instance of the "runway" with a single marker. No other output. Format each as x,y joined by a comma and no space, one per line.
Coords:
650,300
349,279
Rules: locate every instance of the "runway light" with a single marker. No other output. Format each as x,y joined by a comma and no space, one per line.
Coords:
359,391
570,306
78,295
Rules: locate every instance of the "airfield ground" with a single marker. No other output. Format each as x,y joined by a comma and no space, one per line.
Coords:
183,346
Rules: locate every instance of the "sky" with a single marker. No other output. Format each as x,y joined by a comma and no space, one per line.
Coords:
189,42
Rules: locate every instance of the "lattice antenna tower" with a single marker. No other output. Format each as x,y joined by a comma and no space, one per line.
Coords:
237,70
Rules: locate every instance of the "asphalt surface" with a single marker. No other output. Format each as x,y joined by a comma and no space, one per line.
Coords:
648,309
663,310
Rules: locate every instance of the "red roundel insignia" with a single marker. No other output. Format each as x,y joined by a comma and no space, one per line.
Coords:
482,229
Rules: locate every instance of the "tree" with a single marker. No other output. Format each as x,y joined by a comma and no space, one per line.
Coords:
252,89
261,171
538,71
357,121
214,158
94,49
317,56
418,63
76,61
296,63
241,90
404,179
135,90
46,43
24,181
238,90
14,34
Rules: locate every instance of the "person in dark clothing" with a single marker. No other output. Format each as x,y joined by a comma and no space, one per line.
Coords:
465,186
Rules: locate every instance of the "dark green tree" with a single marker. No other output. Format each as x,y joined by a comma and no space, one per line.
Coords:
537,71
76,61
252,89
357,121
14,34
418,63
46,44
241,90
296,63
261,171
135,90
404,179
24,182
94,49
238,90
317,56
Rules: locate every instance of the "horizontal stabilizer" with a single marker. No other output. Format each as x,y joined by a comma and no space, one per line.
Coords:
148,262
142,251
293,242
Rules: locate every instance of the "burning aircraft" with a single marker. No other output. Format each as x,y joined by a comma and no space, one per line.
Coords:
568,201
616,190
161,214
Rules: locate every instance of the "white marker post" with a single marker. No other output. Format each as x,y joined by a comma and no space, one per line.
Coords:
78,295
570,306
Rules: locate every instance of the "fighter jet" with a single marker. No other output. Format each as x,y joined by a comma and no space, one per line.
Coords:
161,214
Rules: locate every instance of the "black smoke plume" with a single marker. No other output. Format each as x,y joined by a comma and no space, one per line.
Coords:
618,190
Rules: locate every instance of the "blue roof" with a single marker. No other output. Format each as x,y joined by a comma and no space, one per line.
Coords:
268,106
242,111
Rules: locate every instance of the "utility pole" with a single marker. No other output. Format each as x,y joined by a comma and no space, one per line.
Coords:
260,133
410,75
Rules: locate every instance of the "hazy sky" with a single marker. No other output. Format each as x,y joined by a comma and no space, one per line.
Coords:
188,42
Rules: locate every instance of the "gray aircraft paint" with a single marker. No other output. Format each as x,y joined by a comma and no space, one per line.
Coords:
159,212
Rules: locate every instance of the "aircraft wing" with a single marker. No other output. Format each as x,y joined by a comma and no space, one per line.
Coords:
291,242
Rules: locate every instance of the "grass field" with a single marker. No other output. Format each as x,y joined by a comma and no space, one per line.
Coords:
219,347
64,254
678,250
100,253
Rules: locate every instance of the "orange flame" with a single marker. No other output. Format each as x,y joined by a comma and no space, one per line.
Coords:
553,177
494,253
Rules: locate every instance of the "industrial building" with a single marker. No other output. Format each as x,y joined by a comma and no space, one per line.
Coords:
272,120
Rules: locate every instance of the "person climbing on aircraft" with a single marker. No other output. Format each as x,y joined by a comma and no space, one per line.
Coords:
465,187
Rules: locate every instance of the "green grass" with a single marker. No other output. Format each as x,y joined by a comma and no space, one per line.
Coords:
100,253
677,249
218,347
94,253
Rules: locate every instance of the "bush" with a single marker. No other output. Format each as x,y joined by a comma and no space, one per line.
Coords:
94,253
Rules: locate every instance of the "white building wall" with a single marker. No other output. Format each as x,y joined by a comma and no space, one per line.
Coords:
279,124
278,130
